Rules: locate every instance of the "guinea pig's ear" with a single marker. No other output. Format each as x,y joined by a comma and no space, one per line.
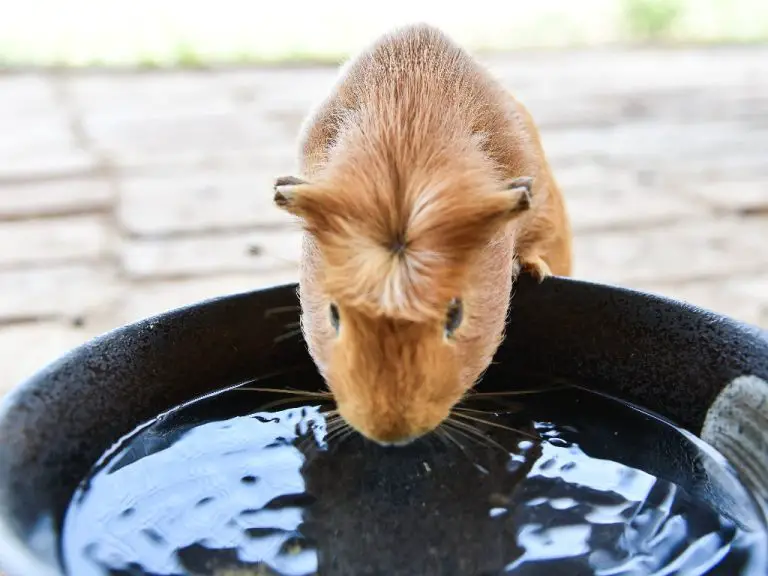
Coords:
288,193
519,191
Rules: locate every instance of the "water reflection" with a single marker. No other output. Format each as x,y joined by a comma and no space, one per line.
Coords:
207,491
220,485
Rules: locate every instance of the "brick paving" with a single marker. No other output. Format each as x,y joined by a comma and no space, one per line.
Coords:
122,195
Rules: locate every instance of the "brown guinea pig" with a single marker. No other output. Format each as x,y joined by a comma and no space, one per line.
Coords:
423,192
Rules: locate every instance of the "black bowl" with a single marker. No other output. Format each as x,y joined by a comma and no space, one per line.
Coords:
702,371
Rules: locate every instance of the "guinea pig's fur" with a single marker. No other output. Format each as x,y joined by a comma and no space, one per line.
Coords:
423,191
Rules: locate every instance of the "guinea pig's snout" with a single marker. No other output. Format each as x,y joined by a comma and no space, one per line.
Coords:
393,428
398,435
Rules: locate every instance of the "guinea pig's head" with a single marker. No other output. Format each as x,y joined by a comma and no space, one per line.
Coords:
404,290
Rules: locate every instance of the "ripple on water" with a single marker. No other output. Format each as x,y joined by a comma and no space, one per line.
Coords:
194,499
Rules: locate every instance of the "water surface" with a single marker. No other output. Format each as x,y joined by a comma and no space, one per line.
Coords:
581,485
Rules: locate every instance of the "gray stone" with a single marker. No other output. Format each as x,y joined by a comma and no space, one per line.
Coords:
654,144
264,251
71,291
201,201
53,197
169,138
275,88
40,148
150,120
36,138
79,238
730,195
572,109
675,253
610,197
102,97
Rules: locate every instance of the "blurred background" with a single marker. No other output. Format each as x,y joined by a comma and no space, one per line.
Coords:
139,140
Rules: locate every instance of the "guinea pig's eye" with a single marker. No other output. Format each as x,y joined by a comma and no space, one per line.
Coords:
335,319
453,317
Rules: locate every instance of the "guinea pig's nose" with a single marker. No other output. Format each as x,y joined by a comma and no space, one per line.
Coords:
395,432
401,442
389,425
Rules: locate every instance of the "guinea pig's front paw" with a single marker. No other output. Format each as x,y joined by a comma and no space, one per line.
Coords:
536,267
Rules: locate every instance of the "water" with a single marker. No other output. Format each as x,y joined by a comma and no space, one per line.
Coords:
589,486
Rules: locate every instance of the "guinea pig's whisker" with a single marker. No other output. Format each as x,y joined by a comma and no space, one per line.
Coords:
473,410
456,443
331,425
472,394
475,434
346,435
327,424
497,409
286,391
495,424
334,433
446,436
439,433
330,422
335,425
337,428
284,401
430,438
342,437
454,428
287,336
276,403
339,434
280,310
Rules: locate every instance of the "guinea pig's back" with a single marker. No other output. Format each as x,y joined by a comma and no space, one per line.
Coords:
413,76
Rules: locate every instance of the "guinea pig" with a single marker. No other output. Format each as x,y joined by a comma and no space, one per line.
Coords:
423,192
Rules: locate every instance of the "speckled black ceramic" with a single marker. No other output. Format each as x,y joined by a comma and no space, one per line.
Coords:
668,357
